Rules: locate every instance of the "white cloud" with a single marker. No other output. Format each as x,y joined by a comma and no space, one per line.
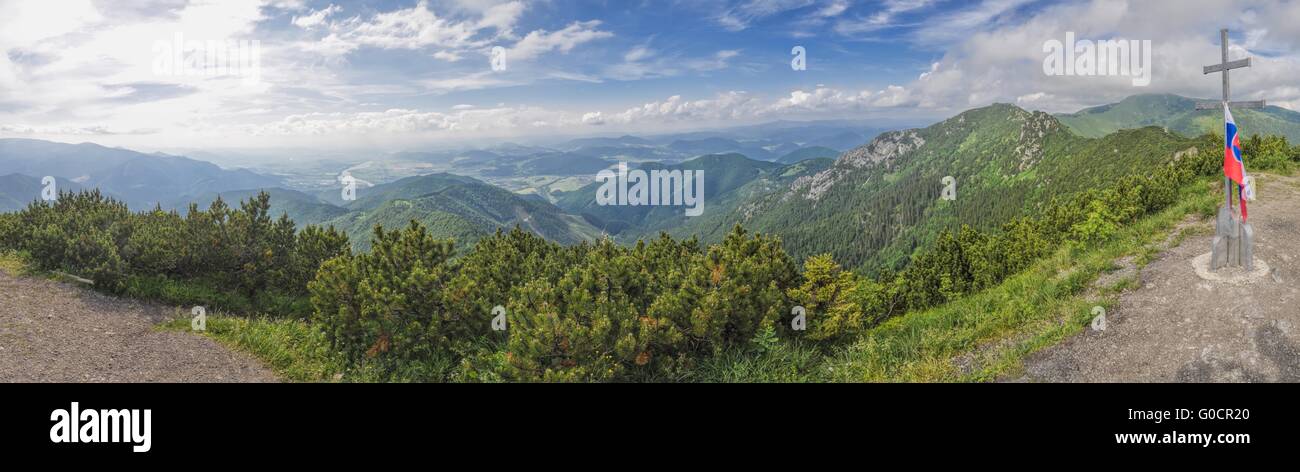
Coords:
502,17
883,18
465,122
448,56
963,23
412,28
740,16
1001,61
564,40
316,17
593,118
642,62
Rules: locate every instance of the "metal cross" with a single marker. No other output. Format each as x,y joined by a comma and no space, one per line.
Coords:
1234,241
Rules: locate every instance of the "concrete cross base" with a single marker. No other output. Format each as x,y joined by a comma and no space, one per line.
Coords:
1234,242
1258,271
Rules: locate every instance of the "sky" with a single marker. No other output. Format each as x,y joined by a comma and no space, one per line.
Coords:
406,74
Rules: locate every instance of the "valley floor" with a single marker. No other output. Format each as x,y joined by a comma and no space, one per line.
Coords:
57,332
1179,327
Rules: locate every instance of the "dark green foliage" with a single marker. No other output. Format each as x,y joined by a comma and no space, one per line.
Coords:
412,308
811,152
238,260
605,312
879,205
580,313
454,207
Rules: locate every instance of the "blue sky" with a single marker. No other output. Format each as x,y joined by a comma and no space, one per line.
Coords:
411,74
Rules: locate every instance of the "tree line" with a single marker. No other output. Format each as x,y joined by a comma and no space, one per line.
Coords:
413,308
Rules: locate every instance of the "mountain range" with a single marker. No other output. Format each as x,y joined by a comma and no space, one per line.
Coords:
877,204
141,180
871,204
1179,115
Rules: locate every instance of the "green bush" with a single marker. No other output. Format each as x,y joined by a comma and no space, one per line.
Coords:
408,310
238,259
386,305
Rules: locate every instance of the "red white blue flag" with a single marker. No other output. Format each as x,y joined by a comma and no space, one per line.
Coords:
1233,167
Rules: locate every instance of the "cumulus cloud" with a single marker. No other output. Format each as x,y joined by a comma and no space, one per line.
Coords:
1002,61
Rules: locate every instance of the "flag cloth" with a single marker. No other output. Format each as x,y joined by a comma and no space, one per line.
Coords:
1233,167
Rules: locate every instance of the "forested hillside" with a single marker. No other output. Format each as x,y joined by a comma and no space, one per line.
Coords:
454,207
723,173
880,203
302,208
1179,115
17,190
141,180
410,308
419,301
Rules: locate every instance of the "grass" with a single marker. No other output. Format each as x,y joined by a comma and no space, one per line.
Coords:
293,349
983,336
209,294
988,335
13,263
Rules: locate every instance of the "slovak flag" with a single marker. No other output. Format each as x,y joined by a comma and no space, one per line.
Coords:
1233,167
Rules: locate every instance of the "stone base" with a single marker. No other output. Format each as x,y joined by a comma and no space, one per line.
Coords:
1234,242
1258,270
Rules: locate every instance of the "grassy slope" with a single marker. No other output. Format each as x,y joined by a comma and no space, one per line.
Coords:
991,332
293,349
1179,114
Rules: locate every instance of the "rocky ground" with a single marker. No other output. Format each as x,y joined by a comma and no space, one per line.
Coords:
59,332
1179,326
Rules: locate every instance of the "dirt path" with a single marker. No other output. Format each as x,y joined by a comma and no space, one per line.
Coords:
56,332
1179,327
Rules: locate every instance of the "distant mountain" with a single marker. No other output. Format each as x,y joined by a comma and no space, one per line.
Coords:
141,180
723,173
456,207
879,203
811,152
1179,115
17,190
605,142
562,163
302,208
627,152
842,141
717,145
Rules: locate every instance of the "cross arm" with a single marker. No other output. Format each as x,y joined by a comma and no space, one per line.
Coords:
1238,105
1227,66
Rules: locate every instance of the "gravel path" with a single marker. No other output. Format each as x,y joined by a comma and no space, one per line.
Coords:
57,332
1180,327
